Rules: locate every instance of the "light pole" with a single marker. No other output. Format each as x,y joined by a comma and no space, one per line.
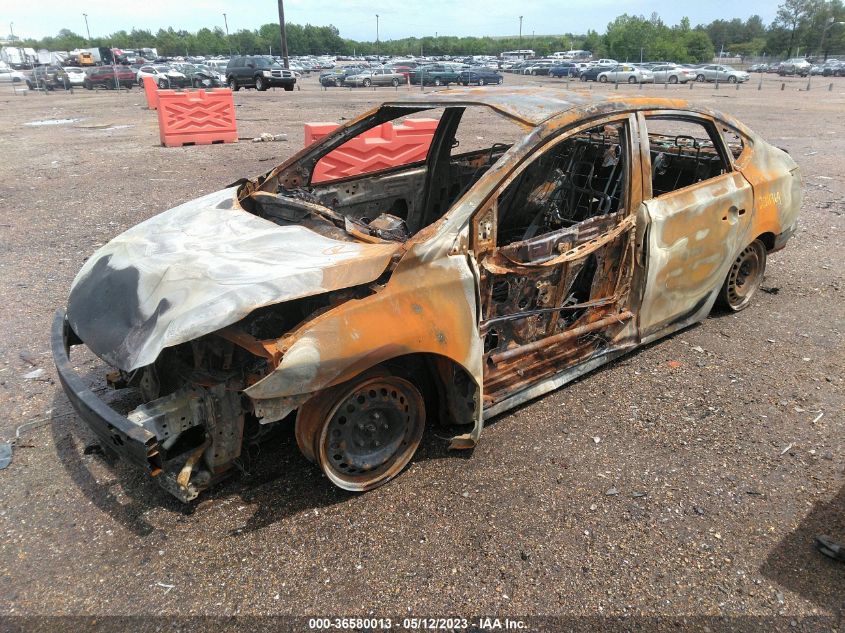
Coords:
520,30
284,40
378,55
87,30
228,41
11,30
830,23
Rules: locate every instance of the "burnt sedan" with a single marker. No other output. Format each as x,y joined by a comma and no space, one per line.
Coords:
362,308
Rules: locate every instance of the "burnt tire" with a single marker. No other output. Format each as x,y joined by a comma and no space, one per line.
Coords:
362,433
744,277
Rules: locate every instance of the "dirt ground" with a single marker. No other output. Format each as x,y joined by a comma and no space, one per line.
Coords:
725,443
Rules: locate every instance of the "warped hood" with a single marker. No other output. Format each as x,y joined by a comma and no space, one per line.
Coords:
200,267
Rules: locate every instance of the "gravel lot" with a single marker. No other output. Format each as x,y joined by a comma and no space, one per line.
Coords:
713,440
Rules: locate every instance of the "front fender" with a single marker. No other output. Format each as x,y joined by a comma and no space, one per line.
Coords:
427,306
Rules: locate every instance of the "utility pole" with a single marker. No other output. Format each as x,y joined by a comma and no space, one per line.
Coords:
11,30
520,30
87,30
228,41
284,33
378,55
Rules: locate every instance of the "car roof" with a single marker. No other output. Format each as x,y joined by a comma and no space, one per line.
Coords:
532,106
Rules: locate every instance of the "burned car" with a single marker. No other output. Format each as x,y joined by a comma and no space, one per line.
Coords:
363,307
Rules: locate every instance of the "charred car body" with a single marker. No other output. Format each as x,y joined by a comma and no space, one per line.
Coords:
451,289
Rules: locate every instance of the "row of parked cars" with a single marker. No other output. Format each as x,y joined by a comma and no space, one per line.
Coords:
394,75
802,68
609,70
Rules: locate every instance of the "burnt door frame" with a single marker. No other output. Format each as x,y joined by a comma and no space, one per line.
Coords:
540,336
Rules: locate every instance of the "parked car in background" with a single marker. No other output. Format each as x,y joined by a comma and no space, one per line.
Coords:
541,67
592,73
672,74
75,75
833,68
375,77
795,66
606,62
759,68
48,77
336,76
11,76
626,73
480,77
433,75
565,69
315,306
259,72
109,77
165,77
721,73
202,76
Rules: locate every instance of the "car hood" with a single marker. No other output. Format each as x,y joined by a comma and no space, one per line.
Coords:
200,267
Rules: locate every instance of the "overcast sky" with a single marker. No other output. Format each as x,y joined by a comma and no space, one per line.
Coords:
356,18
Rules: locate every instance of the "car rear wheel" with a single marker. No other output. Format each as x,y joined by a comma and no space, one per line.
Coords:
362,433
395,82
366,83
603,79
744,277
233,84
87,85
437,81
481,81
260,84
583,77
500,81
338,83
162,84
673,79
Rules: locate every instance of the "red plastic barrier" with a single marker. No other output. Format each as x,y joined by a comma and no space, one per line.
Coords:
315,131
383,146
196,118
151,92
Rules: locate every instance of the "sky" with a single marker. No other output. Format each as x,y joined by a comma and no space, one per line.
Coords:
356,19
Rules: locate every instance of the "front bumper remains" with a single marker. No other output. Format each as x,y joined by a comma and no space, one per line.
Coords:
130,441
149,437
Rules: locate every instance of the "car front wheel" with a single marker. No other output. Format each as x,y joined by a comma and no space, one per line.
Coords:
632,80
744,277
395,82
362,433
366,83
732,79
481,81
260,84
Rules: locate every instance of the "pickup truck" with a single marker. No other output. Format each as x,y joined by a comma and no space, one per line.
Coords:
434,75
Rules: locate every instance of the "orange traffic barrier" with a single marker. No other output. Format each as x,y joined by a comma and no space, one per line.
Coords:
196,118
151,92
386,145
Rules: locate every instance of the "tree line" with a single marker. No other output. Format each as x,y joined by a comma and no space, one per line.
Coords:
801,26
